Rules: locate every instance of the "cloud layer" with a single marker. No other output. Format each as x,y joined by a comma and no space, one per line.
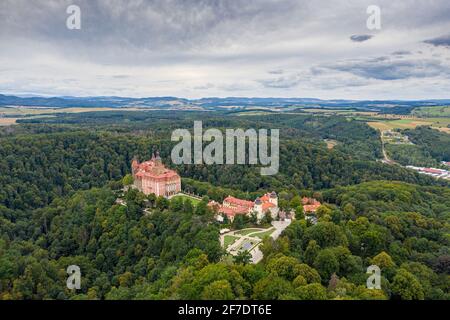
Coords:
203,48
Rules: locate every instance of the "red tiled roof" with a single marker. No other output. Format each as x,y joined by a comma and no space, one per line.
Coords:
266,206
306,200
311,207
239,202
232,211
431,170
151,169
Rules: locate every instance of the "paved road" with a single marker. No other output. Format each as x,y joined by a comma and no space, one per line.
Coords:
279,227
256,253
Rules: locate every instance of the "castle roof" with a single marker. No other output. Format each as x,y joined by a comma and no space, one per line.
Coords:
306,200
153,169
238,202
267,205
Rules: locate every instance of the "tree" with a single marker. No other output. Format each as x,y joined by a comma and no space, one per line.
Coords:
332,284
188,208
162,203
313,291
299,281
271,287
326,263
406,286
383,260
283,266
311,252
309,274
238,222
267,219
218,290
176,204
152,199
323,211
295,202
372,242
326,234
299,213
349,210
243,257
128,180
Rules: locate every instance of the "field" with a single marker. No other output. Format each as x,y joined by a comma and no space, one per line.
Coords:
7,121
16,112
347,112
443,111
194,201
436,123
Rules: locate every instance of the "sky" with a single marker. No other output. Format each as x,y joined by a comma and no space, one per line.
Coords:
223,48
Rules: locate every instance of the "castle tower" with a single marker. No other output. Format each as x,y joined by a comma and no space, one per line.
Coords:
258,208
134,165
157,159
273,198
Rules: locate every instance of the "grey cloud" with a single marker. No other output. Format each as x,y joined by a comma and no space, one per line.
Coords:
361,37
277,71
439,41
204,86
380,69
176,47
288,81
401,53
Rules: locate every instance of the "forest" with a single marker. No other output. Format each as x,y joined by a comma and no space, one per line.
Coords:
60,178
430,147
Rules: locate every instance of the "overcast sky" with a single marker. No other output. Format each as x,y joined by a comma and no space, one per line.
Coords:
200,48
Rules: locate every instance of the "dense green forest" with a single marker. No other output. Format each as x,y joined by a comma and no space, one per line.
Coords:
430,147
60,178
174,253
434,142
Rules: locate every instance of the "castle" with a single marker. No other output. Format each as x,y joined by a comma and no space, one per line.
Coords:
310,205
232,206
153,177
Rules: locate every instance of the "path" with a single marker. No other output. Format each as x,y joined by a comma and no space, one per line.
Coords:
255,252
383,150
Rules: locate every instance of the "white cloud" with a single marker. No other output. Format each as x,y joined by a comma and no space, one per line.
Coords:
224,48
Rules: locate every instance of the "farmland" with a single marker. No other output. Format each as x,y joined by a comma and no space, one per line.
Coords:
409,123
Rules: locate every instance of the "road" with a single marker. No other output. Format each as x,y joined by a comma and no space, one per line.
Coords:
385,156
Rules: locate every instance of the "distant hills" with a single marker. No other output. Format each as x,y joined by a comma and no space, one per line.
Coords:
211,103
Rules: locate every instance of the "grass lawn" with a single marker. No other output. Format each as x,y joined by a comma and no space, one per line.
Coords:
263,234
245,232
194,201
228,240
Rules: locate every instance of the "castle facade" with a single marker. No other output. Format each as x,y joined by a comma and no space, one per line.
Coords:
153,177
